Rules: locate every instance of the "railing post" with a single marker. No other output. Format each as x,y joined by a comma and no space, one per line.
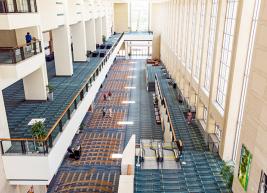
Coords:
81,95
40,44
34,48
60,126
22,53
50,141
86,87
15,6
75,104
35,7
13,53
29,6
2,148
45,147
68,114
23,147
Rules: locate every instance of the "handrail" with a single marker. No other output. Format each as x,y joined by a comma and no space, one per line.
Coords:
20,46
28,6
167,108
19,53
52,129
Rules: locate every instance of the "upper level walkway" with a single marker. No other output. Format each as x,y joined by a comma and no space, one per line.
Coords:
21,112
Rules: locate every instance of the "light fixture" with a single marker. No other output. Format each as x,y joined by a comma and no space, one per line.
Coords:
125,123
130,87
116,156
128,102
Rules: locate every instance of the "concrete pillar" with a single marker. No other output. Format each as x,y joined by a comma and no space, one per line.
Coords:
104,26
90,35
35,85
4,129
79,41
62,51
98,30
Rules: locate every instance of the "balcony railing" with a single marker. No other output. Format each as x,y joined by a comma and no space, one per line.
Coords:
18,6
29,145
13,55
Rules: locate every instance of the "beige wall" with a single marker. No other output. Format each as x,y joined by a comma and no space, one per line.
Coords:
254,132
181,49
8,38
121,17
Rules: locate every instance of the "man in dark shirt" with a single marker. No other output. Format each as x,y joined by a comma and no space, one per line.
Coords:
28,38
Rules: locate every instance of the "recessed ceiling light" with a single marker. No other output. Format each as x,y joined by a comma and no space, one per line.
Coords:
116,155
128,102
130,77
130,87
125,123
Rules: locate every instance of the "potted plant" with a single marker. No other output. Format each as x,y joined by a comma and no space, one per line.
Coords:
227,172
50,92
38,133
103,38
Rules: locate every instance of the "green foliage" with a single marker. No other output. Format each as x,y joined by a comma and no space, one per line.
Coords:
103,38
82,126
227,172
50,88
38,131
244,167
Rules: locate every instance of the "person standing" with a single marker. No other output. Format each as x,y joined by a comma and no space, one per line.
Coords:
103,112
28,38
110,112
105,97
189,117
109,95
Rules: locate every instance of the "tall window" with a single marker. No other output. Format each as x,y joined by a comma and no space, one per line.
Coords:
181,27
200,38
193,36
139,10
247,71
211,44
186,27
228,38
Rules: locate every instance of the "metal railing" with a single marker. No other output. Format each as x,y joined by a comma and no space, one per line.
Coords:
13,55
30,145
18,6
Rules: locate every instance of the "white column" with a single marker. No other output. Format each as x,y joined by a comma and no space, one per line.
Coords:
98,30
104,26
79,41
35,85
4,129
62,51
90,35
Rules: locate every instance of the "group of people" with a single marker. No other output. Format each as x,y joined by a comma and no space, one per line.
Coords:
107,96
109,110
106,111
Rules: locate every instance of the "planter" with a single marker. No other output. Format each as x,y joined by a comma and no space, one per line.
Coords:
50,96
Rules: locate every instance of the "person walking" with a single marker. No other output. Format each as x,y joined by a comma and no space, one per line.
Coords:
105,97
110,112
189,117
109,95
103,112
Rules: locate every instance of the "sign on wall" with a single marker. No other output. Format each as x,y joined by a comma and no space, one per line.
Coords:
244,167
